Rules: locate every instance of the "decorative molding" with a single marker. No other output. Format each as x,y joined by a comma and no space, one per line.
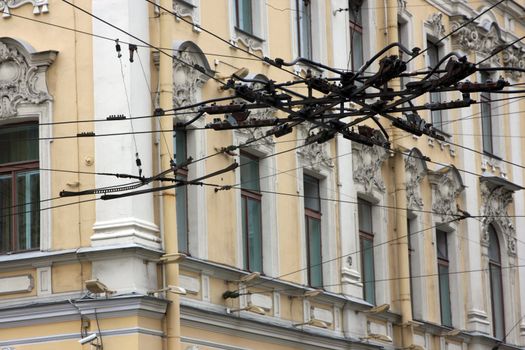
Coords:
16,284
495,203
415,168
188,8
367,163
482,38
401,6
435,22
187,79
315,156
253,41
44,280
22,77
39,6
446,187
514,57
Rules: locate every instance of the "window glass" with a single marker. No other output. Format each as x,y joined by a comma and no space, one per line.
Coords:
435,97
443,277
304,28
19,188
251,213
311,193
249,173
486,118
356,36
314,252
496,285
181,193
368,274
365,216
19,143
244,13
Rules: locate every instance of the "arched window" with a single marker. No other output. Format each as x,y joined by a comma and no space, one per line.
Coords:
496,286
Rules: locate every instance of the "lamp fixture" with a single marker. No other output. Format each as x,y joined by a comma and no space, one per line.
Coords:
173,258
250,307
377,309
313,322
97,287
171,289
376,336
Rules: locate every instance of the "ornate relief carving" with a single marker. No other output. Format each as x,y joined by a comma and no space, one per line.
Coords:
436,24
187,8
314,155
415,172
187,80
514,57
19,81
446,187
367,163
251,42
483,39
495,201
39,6
258,133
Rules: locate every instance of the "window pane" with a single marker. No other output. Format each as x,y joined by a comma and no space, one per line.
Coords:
244,15
19,143
28,217
304,24
315,268
486,123
252,234
6,202
496,291
494,253
364,210
249,173
357,49
444,296
368,274
179,146
311,193
442,248
181,194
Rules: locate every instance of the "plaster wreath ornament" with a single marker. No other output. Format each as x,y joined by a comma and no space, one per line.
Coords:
18,82
446,187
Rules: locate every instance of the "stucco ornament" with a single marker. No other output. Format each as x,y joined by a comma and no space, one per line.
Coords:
367,163
188,80
39,6
401,5
315,155
495,202
514,57
187,8
482,38
415,169
435,22
446,187
18,81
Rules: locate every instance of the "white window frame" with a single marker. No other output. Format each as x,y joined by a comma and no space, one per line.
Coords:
318,27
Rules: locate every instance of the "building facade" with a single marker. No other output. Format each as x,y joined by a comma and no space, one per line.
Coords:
333,245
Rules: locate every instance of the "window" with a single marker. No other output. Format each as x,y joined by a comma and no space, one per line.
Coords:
179,146
312,210
496,285
411,260
243,15
443,276
486,118
251,213
366,239
356,35
304,28
435,97
19,188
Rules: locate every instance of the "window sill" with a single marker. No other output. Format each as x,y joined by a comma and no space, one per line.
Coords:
252,41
